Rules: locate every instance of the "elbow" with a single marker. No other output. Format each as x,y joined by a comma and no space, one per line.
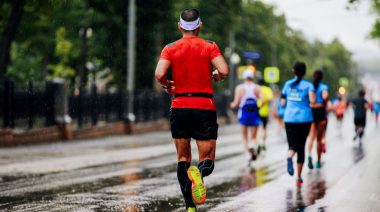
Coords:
158,76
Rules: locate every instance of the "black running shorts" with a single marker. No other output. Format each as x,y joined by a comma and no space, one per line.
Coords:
360,121
319,114
264,121
193,123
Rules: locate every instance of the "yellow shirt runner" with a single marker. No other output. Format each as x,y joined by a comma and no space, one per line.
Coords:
268,96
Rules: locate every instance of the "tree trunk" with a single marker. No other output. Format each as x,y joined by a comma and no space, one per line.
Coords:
9,34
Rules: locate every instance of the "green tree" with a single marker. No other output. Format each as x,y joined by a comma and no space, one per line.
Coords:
9,29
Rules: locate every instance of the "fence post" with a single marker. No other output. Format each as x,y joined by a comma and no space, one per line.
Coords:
49,107
121,104
107,104
61,117
31,105
80,111
8,103
94,106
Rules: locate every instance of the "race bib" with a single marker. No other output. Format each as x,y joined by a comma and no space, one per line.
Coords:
295,95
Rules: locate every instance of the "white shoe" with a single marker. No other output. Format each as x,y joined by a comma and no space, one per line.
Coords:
248,156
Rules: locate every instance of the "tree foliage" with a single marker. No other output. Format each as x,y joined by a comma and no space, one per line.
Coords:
49,40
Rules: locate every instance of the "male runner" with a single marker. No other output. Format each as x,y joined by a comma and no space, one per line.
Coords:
360,106
193,110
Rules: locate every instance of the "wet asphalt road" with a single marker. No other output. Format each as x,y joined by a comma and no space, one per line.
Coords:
138,173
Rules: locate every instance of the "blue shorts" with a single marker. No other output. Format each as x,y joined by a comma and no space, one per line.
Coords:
376,108
249,118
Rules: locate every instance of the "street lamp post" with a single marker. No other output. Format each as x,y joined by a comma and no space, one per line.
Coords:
131,40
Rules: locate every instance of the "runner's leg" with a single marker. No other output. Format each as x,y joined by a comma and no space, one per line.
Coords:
184,159
321,130
310,145
290,133
265,132
311,138
244,132
206,151
302,133
254,137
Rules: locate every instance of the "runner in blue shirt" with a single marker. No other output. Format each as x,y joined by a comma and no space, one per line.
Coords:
297,95
319,125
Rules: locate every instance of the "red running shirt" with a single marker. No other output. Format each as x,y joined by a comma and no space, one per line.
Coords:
190,59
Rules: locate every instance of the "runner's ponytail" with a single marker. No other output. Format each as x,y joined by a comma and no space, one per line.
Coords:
299,69
317,78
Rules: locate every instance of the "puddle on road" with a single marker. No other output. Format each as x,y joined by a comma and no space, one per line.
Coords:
358,153
299,198
65,195
249,178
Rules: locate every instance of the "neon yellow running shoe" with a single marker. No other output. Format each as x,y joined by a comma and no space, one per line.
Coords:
191,209
198,189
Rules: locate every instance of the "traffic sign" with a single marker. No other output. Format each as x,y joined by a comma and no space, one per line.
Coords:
271,74
252,55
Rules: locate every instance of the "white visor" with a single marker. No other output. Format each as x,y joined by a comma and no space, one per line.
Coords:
189,25
248,74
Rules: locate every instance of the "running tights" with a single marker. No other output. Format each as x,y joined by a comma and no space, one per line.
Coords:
205,167
185,183
296,134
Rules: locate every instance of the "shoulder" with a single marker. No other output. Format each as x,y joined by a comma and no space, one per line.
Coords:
288,82
172,44
307,84
210,42
239,87
324,86
207,42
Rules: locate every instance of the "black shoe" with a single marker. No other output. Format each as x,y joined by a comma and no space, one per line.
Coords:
290,166
253,153
310,162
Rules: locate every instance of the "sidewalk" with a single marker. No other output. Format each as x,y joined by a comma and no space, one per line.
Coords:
359,189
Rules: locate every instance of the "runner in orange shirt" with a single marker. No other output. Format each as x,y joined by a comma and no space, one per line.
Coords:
193,110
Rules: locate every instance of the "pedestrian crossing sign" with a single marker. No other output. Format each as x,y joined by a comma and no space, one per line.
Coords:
271,74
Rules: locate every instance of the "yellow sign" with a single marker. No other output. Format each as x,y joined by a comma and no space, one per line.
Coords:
271,74
241,69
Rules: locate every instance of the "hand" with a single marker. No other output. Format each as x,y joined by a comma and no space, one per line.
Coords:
169,86
216,76
232,105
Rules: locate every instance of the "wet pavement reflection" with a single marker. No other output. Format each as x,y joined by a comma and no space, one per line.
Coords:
148,182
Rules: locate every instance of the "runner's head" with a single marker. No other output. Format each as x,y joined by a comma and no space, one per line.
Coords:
317,78
190,21
299,69
248,75
361,93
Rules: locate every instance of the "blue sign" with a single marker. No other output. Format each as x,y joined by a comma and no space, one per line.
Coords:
252,55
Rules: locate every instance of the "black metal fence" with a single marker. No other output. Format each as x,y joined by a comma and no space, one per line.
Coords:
33,107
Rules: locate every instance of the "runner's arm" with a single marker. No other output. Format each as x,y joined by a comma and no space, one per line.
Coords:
160,74
260,95
220,64
312,98
237,98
